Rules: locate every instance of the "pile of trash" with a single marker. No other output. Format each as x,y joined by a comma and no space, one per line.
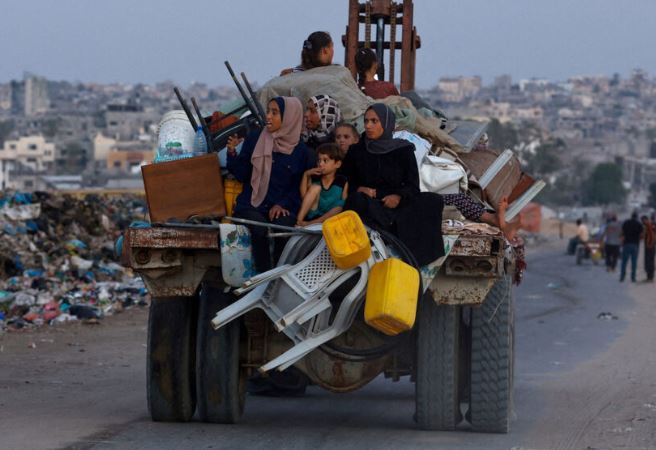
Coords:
57,260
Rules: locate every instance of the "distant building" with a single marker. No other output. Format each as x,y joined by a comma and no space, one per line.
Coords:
503,83
455,90
17,98
36,95
533,113
29,97
128,121
120,157
639,173
23,161
533,84
102,146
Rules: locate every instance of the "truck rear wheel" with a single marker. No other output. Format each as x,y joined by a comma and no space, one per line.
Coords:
219,379
492,360
170,358
436,390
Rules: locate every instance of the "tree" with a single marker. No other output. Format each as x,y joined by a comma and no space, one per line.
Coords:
502,135
604,186
73,159
545,160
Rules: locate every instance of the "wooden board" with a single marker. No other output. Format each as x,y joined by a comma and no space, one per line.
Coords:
184,188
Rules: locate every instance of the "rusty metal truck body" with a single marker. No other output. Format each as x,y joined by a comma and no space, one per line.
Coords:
464,327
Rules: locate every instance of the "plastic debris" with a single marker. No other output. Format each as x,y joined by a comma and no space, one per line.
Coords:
606,316
57,260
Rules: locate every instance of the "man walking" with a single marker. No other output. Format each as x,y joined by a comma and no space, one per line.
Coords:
631,233
650,246
612,242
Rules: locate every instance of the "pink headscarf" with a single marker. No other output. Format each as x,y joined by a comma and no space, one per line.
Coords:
284,141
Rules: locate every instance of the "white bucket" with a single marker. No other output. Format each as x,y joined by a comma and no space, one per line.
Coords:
175,137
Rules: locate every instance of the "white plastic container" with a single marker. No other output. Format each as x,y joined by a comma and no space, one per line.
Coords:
175,137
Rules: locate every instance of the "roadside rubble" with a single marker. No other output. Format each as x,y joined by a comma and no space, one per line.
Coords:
57,260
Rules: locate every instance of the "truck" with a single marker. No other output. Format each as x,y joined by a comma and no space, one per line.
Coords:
459,353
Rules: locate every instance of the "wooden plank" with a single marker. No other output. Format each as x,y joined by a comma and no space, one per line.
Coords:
184,188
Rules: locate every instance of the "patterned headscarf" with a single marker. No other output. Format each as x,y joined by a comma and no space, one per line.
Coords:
330,116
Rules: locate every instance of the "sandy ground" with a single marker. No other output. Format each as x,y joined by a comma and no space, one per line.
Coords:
581,382
58,384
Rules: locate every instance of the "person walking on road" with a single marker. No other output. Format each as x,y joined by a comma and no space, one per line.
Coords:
650,246
631,234
612,241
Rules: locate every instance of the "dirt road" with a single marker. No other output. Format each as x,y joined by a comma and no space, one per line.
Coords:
585,378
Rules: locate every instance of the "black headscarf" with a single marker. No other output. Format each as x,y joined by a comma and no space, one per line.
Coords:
385,143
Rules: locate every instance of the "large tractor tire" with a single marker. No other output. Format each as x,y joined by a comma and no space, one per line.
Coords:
171,358
492,360
221,383
437,397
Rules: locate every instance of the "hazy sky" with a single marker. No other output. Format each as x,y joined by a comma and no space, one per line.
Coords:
155,40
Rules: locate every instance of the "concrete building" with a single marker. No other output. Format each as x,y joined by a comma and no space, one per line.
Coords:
457,89
17,98
24,160
128,161
36,95
29,97
639,172
120,157
102,146
532,113
126,122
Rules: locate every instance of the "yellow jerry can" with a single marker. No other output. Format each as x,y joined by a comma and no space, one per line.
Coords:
231,189
392,292
346,239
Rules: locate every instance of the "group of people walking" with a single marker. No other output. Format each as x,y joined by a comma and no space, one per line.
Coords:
623,240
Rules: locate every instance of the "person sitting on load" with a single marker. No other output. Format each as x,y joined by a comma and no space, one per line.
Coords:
345,136
322,114
318,51
384,190
366,63
384,187
270,166
326,195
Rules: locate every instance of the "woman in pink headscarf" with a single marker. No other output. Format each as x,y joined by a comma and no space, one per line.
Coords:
270,166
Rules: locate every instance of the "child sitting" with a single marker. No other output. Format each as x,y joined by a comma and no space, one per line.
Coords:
345,136
326,194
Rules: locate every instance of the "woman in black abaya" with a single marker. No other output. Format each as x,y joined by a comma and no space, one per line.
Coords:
384,187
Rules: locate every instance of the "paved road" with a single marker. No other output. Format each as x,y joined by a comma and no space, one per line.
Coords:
581,382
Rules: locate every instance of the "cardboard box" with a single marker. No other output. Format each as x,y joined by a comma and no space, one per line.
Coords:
179,190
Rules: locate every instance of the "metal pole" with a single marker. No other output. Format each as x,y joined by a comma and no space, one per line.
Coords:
258,105
246,98
380,39
186,109
291,230
271,225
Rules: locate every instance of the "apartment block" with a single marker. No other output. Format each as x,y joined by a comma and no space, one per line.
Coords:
24,160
